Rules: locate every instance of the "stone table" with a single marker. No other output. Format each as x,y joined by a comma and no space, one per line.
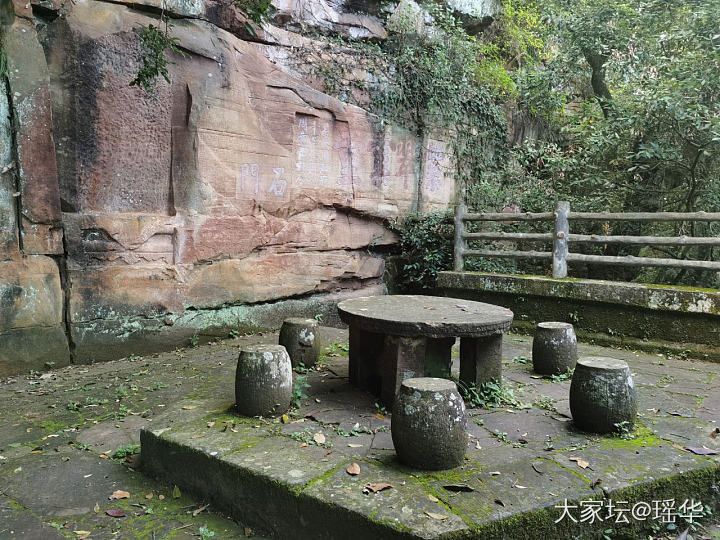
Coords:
397,337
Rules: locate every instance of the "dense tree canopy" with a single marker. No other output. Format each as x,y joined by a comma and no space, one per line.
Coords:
629,94
632,90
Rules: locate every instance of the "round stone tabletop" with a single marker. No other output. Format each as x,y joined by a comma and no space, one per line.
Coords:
430,316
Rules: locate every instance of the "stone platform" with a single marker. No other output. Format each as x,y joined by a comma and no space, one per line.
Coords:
63,434
524,460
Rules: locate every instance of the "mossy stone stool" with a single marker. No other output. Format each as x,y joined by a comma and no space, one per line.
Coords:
554,349
300,337
602,395
428,424
263,380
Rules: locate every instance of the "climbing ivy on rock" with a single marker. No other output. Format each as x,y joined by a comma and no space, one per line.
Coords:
434,85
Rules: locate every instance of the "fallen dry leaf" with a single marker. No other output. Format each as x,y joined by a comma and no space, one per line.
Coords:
379,416
477,445
714,433
433,499
352,445
189,407
519,486
702,451
104,456
115,512
303,445
148,495
161,497
211,424
498,501
96,508
380,486
353,469
200,510
433,515
319,438
119,494
581,462
82,534
494,473
285,419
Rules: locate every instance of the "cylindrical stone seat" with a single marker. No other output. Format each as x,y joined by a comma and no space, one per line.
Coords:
602,395
263,380
428,424
554,348
300,337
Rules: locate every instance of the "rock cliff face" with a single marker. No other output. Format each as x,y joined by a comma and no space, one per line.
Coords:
133,222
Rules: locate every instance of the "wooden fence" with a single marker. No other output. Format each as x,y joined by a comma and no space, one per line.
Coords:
561,238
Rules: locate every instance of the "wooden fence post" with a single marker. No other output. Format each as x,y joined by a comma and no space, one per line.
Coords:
560,242
460,211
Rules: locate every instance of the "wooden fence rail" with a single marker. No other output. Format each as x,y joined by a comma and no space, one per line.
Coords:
561,238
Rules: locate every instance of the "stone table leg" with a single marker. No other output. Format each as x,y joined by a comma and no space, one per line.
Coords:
481,359
403,358
438,357
364,359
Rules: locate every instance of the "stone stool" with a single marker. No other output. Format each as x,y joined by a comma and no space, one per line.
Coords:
428,424
300,337
602,394
263,380
554,348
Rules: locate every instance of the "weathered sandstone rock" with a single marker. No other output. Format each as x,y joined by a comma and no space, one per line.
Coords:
235,185
31,316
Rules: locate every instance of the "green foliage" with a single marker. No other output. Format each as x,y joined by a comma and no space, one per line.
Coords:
205,533
563,376
489,395
257,11
545,402
300,384
127,450
624,430
355,431
426,243
154,42
631,93
501,435
307,436
438,81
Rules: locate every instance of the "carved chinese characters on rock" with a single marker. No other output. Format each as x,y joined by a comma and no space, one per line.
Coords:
312,151
438,188
434,170
322,152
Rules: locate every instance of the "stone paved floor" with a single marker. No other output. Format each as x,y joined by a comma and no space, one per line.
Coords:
63,433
